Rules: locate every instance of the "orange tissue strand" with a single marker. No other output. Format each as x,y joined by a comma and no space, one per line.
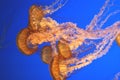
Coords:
35,16
46,54
22,42
118,39
64,50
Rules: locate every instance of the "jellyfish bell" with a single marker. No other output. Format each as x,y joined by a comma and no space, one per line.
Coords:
55,69
35,16
118,39
64,50
59,69
21,42
46,54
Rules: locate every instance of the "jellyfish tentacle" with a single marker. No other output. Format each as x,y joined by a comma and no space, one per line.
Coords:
53,4
54,7
101,50
117,76
105,20
97,17
102,33
78,36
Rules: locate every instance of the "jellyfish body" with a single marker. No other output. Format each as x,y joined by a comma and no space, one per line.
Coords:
22,42
64,50
54,69
46,54
35,16
57,67
69,37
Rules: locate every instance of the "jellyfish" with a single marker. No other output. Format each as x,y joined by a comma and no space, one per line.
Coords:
46,54
57,67
67,40
22,42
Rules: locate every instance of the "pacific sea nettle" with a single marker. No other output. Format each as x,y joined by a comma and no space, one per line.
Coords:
67,41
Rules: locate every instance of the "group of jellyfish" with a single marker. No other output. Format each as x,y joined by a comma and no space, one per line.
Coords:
67,40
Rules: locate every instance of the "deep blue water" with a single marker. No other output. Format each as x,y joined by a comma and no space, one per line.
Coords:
16,66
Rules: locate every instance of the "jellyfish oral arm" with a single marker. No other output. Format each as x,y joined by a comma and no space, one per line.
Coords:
70,32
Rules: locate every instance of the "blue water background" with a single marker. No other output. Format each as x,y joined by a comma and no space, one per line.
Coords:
16,66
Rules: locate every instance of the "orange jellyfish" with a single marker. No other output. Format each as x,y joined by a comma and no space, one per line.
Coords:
57,67
70,37
22,42
64,50
35,16
46,54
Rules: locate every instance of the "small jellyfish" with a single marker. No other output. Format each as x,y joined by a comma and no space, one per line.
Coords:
46,54
22,42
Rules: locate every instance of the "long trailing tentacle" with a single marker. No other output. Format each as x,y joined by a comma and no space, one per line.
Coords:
101,49
55,6
117,76
105,20
96,54
97,17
